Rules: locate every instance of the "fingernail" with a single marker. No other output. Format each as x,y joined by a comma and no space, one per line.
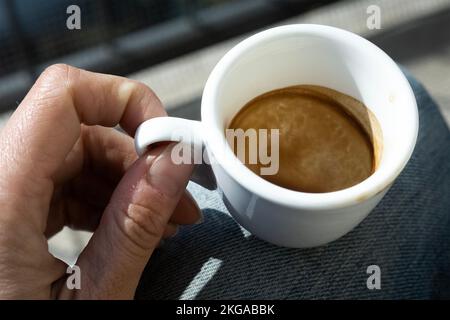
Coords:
165,175
150,158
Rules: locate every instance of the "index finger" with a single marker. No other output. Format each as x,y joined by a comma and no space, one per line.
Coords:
46,125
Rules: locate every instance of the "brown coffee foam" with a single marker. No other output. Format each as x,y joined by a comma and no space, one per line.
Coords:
360,113
328,140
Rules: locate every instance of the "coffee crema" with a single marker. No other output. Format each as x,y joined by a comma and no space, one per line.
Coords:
328,141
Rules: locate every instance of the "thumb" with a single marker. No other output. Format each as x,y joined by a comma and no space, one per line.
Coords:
132,225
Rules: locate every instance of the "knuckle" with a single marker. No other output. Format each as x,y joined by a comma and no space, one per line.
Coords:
58,75
57,68
54,87
144,224
55,71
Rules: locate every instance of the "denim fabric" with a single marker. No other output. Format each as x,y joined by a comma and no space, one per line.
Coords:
407,235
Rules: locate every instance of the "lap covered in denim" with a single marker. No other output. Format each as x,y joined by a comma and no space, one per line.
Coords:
407,235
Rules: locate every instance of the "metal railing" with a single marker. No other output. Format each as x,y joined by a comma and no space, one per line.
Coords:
121,37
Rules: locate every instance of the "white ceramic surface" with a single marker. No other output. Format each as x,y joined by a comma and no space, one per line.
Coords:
281,57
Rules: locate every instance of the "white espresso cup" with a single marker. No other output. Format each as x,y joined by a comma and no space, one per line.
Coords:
281,57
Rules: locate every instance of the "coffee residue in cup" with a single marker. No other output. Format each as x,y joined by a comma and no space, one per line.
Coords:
326,138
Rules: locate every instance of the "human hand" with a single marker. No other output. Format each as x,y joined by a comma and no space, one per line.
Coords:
60,165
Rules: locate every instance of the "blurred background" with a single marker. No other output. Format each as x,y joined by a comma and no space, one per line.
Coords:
172,45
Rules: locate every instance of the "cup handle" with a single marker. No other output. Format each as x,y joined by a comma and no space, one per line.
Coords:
161,129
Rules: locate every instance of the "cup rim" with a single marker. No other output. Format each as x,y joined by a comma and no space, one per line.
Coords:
373,185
